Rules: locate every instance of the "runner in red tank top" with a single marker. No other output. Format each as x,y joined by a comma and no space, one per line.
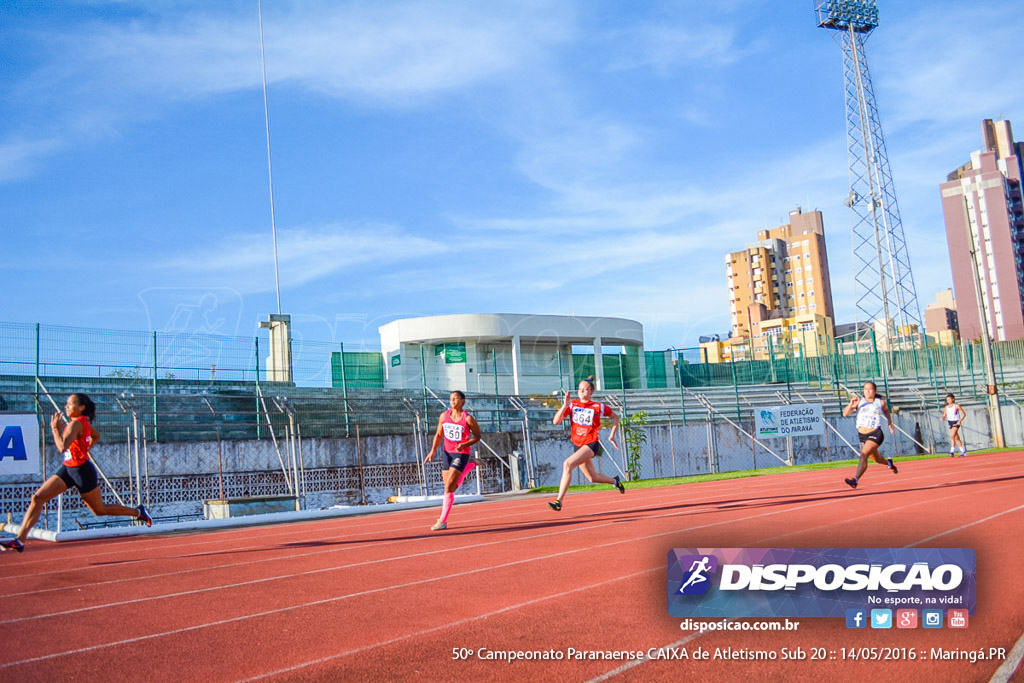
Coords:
585,416
73,440
459,430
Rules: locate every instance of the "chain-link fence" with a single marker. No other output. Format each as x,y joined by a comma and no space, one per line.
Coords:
190,417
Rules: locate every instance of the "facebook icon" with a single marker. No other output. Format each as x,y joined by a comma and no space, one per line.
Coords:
856,618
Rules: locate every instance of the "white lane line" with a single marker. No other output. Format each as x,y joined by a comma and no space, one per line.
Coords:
1005,672
393,587
812,477
331,569
693,504
967,526
528,507
636,662
420,582
442,627
1010,664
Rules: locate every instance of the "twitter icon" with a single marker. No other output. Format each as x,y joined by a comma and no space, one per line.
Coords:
881,618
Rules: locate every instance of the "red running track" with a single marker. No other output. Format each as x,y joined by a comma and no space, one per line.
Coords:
381,597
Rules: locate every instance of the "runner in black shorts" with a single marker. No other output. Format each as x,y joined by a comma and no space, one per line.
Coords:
585,418
458,430
83,478
73,436
870,411
877,437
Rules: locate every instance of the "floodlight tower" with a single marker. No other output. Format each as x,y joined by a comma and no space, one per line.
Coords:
883,283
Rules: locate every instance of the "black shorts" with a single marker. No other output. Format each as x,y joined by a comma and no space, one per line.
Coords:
82,478
455,461
596,447
953,423
876,436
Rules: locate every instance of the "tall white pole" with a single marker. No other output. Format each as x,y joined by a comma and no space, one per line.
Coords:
270,167
986,340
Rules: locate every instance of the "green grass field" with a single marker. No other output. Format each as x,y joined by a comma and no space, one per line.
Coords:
739,474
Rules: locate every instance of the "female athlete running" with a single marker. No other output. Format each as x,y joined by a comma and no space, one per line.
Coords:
585,416
954,416
459,430
74,440
870,409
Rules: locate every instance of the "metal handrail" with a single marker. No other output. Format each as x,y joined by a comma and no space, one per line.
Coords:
703,400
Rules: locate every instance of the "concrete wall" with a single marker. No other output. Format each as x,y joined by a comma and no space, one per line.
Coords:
682,450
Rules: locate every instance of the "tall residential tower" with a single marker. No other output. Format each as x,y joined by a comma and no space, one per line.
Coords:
984,217
784,274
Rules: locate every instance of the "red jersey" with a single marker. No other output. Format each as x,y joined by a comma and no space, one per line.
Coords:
455,432
586,420
78,452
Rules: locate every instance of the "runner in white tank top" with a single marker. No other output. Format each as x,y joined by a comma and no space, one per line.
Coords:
954,416
870,411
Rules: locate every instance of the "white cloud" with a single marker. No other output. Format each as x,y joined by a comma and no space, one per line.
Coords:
246,261
934,75
381,52
666,48
21,158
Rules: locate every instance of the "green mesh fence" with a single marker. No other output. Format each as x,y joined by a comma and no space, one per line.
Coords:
142,357
336,389
361,370
958,368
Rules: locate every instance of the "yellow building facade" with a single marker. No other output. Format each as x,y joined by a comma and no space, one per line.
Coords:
785,271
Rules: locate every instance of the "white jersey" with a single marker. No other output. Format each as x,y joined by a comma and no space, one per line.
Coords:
953,413
869,414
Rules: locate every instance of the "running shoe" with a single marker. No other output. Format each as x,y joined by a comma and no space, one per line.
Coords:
963,453
852,483
144,517
12,544
439,526
892,466
555,505
618,485
952,454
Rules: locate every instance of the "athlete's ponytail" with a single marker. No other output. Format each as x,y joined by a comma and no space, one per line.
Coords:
88,407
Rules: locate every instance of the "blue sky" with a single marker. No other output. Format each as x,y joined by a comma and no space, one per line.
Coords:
556,157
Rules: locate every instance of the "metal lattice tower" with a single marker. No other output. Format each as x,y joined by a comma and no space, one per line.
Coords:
884,285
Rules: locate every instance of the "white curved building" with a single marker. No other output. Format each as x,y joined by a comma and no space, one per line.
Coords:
499,352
